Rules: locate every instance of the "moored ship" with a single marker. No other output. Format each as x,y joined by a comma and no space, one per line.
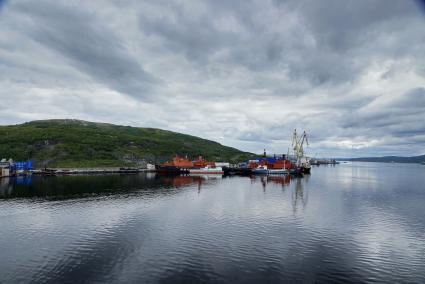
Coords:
207,170
278,171
260,170
180,165
270,165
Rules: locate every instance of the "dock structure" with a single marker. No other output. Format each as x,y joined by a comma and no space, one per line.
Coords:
5,168
83,171
9,168
318,162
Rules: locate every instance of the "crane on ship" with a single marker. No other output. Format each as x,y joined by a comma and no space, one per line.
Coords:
298,147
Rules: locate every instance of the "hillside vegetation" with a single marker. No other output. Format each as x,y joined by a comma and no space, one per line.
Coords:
75,143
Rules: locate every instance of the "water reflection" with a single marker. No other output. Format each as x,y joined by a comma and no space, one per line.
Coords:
283,181
79,186
299,190
265,181
66,187
299,194
6,186
178,181
188,229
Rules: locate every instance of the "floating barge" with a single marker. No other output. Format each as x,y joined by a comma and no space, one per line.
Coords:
239,171
84,171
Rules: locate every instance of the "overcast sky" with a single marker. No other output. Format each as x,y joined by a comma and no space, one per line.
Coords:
243,73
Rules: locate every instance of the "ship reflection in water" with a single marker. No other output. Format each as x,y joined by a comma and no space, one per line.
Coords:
299,192
78,186
90,185
9,184
355,223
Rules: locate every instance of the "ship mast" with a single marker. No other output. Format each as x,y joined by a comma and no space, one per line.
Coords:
298,143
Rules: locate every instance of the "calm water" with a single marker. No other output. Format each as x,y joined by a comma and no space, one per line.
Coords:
349,223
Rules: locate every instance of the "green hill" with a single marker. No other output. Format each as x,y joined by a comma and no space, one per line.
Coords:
75,143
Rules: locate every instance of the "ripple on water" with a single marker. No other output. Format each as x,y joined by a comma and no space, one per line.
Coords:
325,228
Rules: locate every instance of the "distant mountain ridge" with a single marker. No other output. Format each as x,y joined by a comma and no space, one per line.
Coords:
391,159
77,143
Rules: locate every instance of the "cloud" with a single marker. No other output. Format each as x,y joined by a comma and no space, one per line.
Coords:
87,44
244,73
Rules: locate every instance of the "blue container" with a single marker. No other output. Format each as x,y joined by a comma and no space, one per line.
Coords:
22,166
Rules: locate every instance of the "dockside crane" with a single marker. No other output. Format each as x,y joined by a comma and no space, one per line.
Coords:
298,146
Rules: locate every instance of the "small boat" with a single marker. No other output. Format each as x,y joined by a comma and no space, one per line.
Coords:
306,167
296,171
260,170
207,170
277,171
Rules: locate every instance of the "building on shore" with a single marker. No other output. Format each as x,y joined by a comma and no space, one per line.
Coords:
6,168
10,168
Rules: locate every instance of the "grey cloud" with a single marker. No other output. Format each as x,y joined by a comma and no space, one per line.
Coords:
254,136
415,99
323,44
88,45
400,117
245,73
349,35
341,26
194,32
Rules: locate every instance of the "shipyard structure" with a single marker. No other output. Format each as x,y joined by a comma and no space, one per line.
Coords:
296,164
10,168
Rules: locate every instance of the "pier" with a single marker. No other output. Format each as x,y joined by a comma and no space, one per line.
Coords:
77,171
